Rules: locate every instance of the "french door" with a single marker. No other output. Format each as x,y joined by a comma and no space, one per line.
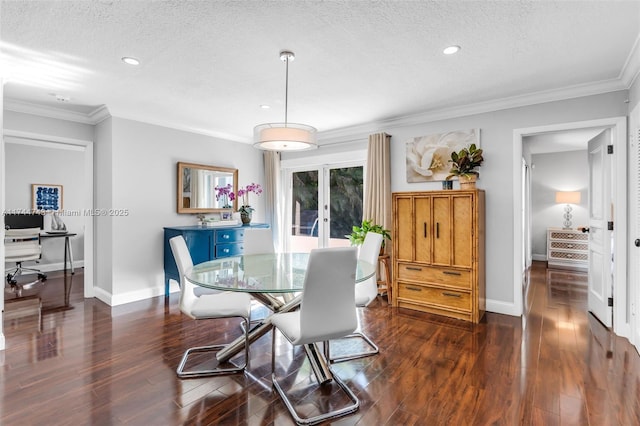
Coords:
323,204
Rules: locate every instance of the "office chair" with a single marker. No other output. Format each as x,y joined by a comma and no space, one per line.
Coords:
208,306
366,292
326,312
22,245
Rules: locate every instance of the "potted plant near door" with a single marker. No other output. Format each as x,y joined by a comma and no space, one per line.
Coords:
463,165
360,232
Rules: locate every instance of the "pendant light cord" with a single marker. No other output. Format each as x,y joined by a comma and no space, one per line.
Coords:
286,90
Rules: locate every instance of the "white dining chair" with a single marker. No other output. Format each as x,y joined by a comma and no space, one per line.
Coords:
208,306
258,241
366,292
326,312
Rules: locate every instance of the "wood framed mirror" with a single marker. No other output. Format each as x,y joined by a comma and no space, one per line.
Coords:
197,188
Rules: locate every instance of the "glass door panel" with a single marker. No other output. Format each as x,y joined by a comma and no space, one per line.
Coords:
344,204
303,235
324,204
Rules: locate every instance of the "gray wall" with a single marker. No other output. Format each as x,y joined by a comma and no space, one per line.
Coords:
496,173
559,171
142,180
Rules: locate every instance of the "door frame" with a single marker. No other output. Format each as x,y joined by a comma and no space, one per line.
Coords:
55,142
618,126
292,165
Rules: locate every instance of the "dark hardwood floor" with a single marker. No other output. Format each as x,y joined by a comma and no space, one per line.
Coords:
92,364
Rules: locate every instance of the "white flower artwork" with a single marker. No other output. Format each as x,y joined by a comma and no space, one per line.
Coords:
428,156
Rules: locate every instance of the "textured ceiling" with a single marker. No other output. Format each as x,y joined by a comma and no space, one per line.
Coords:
207,66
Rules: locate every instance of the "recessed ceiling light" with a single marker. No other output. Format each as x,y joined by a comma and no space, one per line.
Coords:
131,61
265,106
61,98
451,50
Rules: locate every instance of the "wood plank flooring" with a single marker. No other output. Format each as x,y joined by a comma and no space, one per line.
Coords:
92,364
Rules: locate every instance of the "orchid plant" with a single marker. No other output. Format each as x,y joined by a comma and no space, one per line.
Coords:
244,195
226,194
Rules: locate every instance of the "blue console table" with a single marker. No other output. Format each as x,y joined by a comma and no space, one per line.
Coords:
204,243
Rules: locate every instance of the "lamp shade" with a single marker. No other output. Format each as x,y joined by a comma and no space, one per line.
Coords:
568,197
284,137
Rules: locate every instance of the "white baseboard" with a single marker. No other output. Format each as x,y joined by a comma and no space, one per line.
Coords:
540,257
134,296
505,308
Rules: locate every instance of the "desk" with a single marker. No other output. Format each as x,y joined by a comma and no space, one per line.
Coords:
68,254
265,276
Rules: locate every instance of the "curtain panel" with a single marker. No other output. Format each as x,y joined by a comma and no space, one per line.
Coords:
377,184
274,198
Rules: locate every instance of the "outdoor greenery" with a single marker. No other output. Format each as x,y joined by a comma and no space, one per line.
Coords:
345,204
358,233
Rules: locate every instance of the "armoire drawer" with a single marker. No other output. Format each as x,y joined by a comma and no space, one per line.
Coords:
435,275
435,296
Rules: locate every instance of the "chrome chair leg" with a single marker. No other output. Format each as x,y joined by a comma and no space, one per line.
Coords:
189,374
373,351
351,408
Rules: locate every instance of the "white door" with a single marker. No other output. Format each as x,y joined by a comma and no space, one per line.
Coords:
324,203
634,223
600,213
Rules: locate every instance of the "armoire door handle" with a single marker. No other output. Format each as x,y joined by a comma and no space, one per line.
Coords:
425,229
437,229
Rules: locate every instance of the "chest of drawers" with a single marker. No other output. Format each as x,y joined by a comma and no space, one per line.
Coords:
567,249
438,253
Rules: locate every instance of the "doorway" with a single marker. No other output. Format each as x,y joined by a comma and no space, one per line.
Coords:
323,205
618,131
85,195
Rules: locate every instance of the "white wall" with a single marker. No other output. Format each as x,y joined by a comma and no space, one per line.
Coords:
634,95
29,164
144,183
559,171
496,172
2,201
102,198
18,121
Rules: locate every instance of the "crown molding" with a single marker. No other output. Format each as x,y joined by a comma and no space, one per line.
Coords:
57,113
631,68
363,130
184,128
99,114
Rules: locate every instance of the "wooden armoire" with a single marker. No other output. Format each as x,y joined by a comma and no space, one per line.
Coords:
438,252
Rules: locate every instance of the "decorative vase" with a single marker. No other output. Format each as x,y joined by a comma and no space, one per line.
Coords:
245,216
468,182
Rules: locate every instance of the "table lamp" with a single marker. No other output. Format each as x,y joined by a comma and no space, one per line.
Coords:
568,198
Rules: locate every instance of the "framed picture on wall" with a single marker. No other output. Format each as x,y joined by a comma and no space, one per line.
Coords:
428,156
45,197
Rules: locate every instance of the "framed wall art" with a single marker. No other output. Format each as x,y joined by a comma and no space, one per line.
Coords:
428,156
45,197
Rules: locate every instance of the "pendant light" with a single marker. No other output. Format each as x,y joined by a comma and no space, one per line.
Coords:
285,136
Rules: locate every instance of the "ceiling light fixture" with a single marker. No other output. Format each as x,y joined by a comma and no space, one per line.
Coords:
130,61
285,136
451,50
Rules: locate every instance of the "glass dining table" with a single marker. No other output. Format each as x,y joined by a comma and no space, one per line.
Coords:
274,279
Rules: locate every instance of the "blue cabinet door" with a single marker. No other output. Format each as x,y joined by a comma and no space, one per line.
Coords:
200,245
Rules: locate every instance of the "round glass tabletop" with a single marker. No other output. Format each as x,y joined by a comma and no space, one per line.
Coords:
261,273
